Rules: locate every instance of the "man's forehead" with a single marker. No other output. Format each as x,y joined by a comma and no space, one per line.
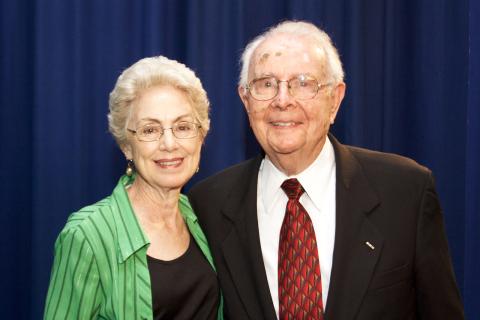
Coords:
281,43
276,49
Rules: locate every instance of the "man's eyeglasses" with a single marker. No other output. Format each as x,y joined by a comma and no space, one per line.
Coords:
153,132
302,87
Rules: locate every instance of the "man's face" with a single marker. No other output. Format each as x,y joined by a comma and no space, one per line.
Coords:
285,126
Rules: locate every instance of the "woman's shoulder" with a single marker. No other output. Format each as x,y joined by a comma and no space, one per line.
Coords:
91,213
95,222
91,234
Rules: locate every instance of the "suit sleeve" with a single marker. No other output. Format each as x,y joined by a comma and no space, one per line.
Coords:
437,292
75,291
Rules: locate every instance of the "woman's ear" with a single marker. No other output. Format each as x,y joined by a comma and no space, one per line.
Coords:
127,150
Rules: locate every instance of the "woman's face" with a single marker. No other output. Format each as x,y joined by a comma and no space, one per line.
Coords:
169,162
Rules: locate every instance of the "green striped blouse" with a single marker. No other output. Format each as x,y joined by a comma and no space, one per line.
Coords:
100,268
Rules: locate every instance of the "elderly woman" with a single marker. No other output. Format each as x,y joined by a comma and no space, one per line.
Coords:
140,253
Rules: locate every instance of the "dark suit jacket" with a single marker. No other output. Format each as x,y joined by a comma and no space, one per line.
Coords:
387,200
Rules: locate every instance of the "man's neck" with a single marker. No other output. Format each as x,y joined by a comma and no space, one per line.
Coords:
295,163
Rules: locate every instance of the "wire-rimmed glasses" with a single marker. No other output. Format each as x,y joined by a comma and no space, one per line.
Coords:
302,87
153,132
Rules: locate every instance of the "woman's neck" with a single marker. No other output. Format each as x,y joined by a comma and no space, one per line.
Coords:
154,205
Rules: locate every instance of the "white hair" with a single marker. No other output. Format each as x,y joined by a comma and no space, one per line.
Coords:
334,69
146,73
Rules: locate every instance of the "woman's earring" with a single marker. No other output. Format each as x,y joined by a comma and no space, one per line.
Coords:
198,169
130,167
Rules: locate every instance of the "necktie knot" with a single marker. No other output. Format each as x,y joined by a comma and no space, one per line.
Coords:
292,188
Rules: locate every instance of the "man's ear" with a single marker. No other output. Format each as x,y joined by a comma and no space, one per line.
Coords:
242,92
337,97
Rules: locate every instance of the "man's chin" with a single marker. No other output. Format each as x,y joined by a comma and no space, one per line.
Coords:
285,149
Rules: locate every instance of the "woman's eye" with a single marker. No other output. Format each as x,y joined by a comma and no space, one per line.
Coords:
184,127
149,130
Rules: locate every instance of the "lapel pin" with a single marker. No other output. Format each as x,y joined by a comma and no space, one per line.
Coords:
370,245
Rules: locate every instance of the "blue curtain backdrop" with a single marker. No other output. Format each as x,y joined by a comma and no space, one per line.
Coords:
413,88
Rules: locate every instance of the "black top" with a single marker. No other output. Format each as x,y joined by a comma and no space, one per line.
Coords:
184,288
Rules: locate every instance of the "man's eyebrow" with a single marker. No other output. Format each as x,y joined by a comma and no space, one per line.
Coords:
265,75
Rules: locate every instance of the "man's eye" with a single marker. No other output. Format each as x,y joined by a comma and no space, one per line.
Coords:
266,83
303,83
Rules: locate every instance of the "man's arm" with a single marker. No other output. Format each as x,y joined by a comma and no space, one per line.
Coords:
436,289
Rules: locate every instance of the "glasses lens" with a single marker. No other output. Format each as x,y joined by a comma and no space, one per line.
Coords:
184,130
149,132
303,87
264,88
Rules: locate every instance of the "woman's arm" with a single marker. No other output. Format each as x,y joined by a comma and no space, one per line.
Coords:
75,290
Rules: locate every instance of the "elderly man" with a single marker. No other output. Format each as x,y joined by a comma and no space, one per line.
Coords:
314,229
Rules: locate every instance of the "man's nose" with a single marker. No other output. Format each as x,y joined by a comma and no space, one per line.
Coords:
283,99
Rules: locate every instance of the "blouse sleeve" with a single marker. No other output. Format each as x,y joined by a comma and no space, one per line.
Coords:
75,290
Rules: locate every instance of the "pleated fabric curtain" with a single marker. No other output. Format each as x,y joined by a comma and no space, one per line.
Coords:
412,73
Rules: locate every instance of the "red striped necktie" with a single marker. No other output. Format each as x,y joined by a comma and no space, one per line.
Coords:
299,280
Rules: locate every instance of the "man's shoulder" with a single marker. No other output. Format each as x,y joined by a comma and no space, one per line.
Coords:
385,158
229,176
388,165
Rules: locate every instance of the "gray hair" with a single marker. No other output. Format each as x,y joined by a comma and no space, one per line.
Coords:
146,73
299,29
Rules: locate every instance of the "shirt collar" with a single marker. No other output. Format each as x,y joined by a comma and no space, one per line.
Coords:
130,235
313,179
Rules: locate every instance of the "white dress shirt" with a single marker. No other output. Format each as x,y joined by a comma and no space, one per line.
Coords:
318,180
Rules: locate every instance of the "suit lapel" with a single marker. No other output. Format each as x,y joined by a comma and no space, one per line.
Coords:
241,248
358,243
